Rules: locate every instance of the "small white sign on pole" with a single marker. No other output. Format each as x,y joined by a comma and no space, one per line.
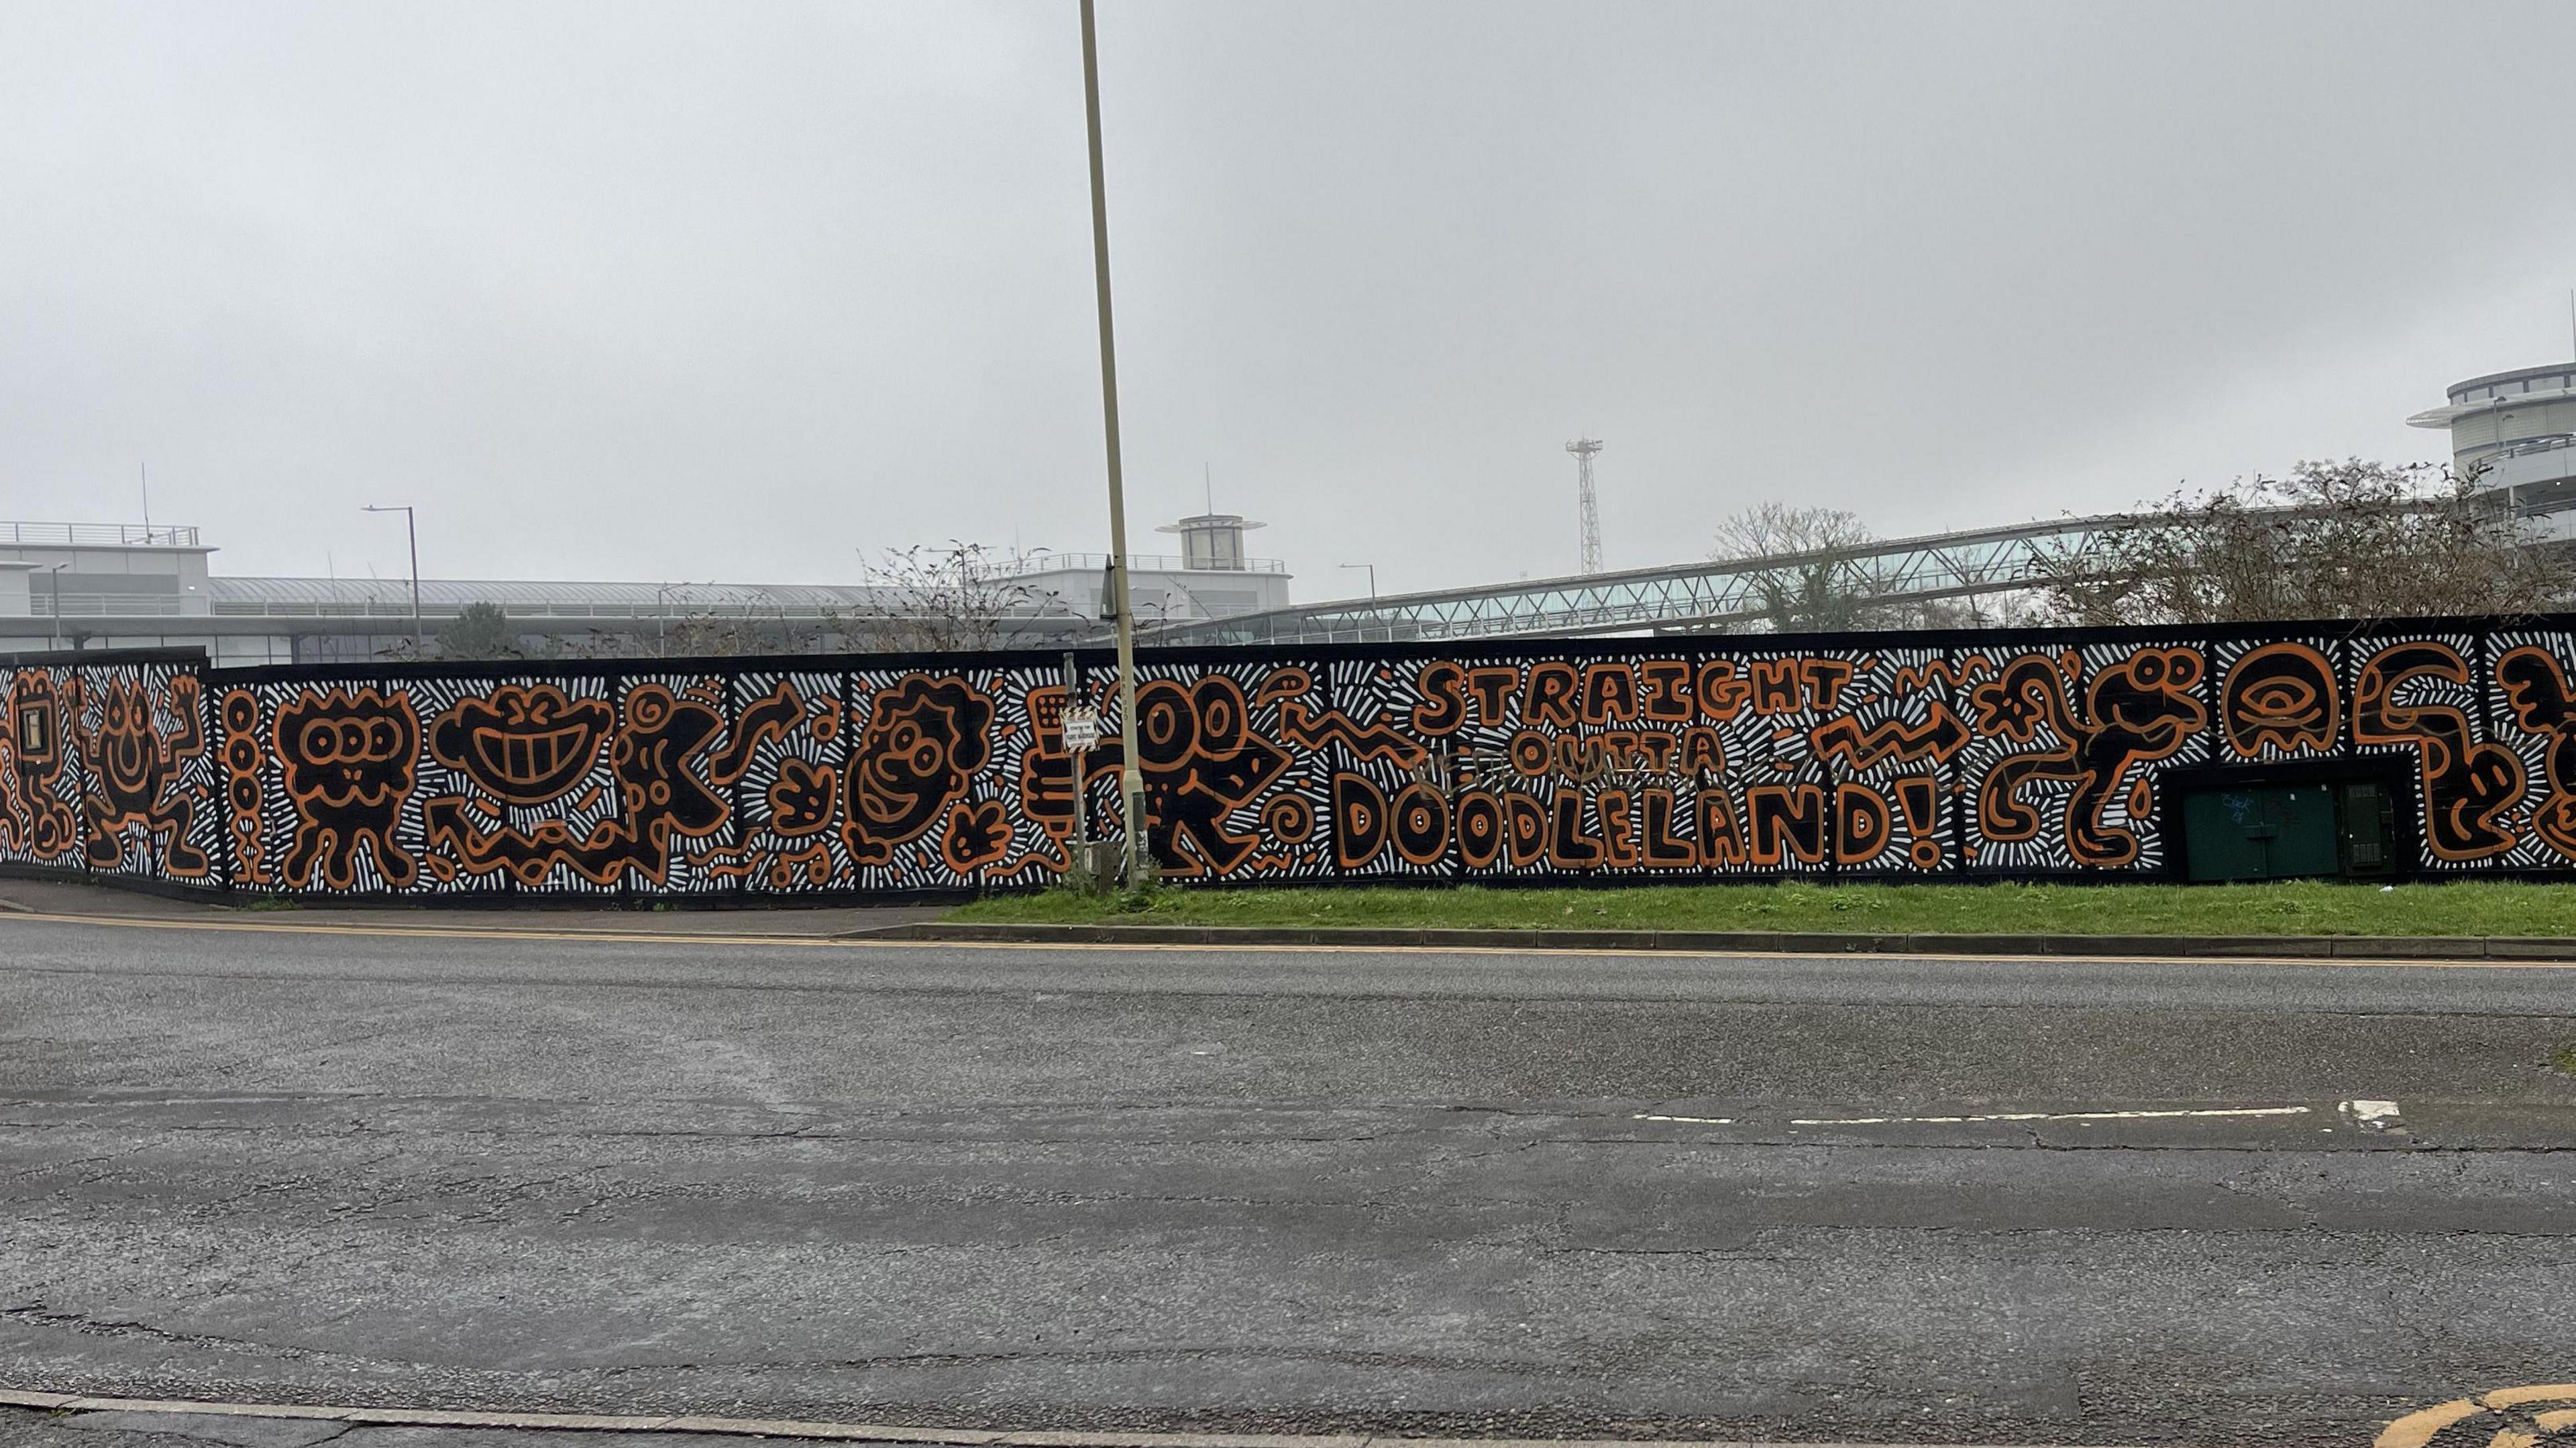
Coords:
1081,729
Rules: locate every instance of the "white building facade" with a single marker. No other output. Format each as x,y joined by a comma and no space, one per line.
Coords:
2515,432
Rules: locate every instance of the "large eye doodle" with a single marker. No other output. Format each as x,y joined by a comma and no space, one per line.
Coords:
2280,696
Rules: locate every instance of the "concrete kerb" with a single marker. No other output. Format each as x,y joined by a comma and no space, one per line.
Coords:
1768,942
791,1428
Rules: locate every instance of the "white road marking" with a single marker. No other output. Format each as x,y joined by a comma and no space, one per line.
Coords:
2017,1116
600,1425
2374,1115
2047,1116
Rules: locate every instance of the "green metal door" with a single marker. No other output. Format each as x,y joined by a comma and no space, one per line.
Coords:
2224,834
2304,841
2261,832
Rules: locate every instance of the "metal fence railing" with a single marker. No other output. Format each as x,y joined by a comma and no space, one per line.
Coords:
1094,562
97,535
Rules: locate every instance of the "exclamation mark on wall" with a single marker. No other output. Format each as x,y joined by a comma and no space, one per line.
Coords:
1916,795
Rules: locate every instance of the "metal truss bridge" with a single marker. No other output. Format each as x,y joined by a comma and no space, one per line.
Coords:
1684,598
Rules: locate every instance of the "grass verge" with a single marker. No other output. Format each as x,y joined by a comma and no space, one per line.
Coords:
2287,908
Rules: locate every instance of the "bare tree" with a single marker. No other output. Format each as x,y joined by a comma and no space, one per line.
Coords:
1987,610
1814,586
2348,540
936,600
704,634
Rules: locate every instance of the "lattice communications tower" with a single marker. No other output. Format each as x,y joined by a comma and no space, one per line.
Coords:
1583,449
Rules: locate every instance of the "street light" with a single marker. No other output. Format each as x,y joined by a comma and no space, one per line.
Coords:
54,584
1372,573
412,531
1131,778
2512,490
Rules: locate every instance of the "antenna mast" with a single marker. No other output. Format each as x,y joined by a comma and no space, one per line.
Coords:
1588,504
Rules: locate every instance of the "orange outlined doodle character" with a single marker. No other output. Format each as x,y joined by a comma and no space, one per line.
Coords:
349,761
924,741
2467,785
525,744
1046,772
529,744
1935,672
2141,711
2543,703
803,798
799,800
977,835
803,801
134,774
2281,695
242,758
1300,725
1201,760
37,821
1939,736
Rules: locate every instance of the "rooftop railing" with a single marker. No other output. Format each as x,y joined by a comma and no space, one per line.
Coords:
105,605
1094,562
98,535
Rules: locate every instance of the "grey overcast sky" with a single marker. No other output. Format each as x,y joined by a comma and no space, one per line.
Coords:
689,291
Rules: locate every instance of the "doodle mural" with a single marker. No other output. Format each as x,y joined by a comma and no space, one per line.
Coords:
1963,756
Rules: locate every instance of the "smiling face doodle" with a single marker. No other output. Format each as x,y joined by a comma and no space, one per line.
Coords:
925,738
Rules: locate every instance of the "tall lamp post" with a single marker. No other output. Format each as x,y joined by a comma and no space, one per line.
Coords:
2512,491
411,530
1372,573
54,587
1131,777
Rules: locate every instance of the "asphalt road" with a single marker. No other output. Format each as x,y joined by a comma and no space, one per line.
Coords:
1436,1192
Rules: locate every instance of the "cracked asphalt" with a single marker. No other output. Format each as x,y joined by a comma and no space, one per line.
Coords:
1320,1191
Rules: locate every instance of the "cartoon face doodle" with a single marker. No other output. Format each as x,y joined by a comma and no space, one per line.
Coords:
657,765
349,763
134,772
925,739
1201,761
2283,696
123,750
526,743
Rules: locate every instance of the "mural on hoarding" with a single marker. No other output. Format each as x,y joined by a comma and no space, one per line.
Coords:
104,768
1936,757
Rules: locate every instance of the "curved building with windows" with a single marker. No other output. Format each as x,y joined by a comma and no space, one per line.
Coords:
2515,432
